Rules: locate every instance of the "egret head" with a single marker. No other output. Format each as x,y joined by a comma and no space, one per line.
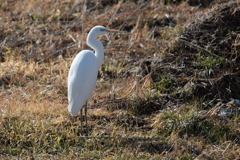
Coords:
99,30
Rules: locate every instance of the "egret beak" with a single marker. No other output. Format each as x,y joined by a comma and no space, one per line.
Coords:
114,31
117,31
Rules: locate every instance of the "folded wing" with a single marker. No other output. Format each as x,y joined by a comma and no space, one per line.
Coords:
81,80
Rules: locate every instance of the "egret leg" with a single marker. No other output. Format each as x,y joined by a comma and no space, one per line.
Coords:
86,119
81,119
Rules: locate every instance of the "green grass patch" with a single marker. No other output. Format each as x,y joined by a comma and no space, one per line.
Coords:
210,62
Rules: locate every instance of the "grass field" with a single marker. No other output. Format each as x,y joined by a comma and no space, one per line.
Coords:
156,97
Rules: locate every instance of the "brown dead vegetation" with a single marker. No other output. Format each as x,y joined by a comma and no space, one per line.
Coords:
162,80
213,34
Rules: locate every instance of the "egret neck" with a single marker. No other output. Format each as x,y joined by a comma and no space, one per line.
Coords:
97,46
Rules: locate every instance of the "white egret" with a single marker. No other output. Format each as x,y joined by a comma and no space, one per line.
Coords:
83,73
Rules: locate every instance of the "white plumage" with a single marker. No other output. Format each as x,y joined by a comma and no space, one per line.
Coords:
81,80
83,72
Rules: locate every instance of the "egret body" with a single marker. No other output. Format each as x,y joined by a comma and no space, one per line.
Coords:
83,73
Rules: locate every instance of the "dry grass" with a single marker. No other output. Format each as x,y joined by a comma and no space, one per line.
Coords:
39,40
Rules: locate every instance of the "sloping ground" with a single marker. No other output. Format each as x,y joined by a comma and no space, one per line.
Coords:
205,58
162,93
214,38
